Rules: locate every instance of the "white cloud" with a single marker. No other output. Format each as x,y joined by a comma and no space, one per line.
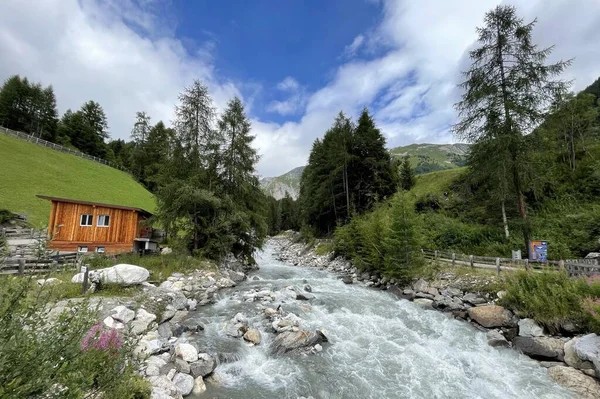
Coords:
351,49
126,57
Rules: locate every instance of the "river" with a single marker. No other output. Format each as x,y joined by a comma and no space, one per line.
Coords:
379,347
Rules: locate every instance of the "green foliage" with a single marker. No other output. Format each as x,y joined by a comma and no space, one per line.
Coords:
284,214
324,248
27,169
86,129
552,299
26,106
348,171
39,357
407,175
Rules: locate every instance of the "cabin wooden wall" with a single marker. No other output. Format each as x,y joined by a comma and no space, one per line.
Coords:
67,234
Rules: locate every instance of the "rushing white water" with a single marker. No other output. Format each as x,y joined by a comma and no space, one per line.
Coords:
379,347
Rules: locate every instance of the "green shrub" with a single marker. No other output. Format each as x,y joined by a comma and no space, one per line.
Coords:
552,299
324,248
66,357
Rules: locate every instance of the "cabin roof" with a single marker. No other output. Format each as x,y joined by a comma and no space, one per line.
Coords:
76,201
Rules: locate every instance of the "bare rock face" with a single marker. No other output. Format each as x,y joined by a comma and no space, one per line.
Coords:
588,349
572,359
586,387
491,316
544,348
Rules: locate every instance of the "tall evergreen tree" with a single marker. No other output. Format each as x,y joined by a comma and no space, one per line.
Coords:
508,92
407,175
373,175
139,135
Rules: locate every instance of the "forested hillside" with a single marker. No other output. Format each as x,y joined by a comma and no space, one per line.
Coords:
425,158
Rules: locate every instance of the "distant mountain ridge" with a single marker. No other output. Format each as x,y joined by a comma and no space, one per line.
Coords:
280,185
424,158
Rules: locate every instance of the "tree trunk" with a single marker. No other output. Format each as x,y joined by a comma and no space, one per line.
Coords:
505,222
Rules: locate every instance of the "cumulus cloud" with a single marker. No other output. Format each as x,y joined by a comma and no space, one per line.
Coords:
125,55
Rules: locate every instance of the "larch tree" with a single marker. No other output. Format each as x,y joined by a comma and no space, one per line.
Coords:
407,175
508,92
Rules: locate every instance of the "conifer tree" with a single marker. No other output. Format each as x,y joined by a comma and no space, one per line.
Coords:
508,92
407,176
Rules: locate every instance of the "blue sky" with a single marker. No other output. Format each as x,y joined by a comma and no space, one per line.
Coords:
295,64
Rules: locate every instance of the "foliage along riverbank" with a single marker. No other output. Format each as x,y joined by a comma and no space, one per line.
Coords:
494,305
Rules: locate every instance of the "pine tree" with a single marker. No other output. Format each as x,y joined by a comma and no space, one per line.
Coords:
407,175
402,250
139,134
508,92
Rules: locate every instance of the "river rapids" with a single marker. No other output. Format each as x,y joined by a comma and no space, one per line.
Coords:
379,347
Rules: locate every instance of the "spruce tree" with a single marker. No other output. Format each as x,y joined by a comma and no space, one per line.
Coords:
508,92
407,176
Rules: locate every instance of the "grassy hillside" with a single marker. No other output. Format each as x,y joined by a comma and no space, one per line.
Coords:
426,158
436,182
27,169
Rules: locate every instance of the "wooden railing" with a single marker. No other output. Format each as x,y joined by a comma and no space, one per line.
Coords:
574,267
44,264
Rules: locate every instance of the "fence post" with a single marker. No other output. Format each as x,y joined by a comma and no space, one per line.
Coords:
561,265
21,266
498,266
526,264
435,254
453,259
84,269
471,261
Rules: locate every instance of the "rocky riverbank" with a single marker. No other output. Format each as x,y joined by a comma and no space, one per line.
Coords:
164,322
573,361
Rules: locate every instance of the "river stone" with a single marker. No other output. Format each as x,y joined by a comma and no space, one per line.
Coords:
199,386
112,323
445,302
424,295
164,384
187,352
253,335
225,283
588,348
304,296
420,286
182,366
122,314
142,321
426,303
491,316
164,330
270,312
293,340
529,328
473,299
153,365
167,313
496,339
450,291
347,280
184,383
203,366
541,347
586,387
572,359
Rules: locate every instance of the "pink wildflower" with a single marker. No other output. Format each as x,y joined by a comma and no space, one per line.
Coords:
100,339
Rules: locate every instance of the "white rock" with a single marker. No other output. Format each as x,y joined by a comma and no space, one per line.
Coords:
529,328
48,281
122,274
187,352
184,383
112,323
426,303
123,314
199,386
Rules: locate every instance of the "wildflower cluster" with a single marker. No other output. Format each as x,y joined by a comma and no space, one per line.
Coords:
100,339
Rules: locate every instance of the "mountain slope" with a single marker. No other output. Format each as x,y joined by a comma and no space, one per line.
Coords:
27,169
427,158
280,185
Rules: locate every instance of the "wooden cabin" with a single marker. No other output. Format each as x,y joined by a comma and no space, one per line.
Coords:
85,226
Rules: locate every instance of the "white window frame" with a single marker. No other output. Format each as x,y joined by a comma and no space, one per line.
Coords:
89,220
104,218
82,249
100,250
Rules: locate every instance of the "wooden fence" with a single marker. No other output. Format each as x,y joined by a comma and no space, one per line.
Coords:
574,267
59,147
45,264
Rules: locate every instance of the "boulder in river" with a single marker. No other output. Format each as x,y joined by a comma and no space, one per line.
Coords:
588,348
187,352
296,340
184,383
347,280
420,286
205,365
572,359
586,387
544,348
253,336
491,316
496,339
426,303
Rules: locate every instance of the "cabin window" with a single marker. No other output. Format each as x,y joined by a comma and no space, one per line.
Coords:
103,220
82,249
100,250
86,220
